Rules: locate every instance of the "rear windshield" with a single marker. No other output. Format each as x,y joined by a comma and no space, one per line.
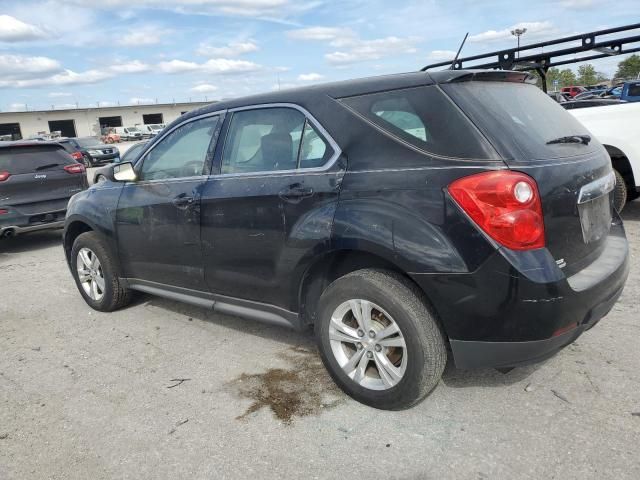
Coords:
19,160
425,118
519,119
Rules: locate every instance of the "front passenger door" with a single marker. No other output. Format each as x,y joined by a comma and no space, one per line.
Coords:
158,216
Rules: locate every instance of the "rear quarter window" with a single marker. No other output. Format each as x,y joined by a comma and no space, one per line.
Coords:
424,118
21,160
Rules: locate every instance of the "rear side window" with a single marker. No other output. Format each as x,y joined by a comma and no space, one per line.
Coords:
520,118
634,90
425,118
20,160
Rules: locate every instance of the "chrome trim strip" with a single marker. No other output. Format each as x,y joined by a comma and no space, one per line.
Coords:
597,188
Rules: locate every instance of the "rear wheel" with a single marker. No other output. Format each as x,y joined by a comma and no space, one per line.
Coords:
379,340
620,192
95,272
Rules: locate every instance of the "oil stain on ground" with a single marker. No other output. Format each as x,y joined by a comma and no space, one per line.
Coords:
302,390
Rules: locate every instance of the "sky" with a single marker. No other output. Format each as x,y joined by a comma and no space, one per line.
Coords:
59,54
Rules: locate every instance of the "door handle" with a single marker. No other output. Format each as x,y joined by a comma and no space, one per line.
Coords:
295,193
182,201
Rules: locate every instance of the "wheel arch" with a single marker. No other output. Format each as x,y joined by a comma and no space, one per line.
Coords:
335,264
620,162
73,230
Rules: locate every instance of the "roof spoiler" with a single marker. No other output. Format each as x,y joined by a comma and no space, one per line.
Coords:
492,76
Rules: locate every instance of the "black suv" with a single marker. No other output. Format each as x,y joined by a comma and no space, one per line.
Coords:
37,179
90,151
404,217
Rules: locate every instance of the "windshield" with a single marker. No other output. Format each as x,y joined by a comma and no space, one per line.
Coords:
519,119
155,127
132,130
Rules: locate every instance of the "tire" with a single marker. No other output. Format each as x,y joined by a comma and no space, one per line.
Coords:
418,365
86,161
620,192
114,295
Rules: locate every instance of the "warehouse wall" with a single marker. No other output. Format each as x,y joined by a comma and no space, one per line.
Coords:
86,120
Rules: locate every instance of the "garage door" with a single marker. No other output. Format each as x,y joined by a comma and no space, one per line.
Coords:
67,128
106,122
10,131
152,118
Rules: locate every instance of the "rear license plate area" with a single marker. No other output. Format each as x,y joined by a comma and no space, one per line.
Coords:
595,218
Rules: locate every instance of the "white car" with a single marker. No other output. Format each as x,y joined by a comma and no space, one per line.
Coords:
129,133
616,127
151,130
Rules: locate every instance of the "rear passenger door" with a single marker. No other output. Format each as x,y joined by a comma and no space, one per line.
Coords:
269,202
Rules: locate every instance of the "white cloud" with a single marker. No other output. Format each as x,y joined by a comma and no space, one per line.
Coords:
177,66
233,49
204,88
17,107
358,50
441,55
59,94
134,66
215,66
534,29
14,30
138,101
141,37
20,67
320,33
577,3
106,104
310,77
253,8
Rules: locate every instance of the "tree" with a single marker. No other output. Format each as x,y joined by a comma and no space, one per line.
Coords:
564,77
587,75
629,67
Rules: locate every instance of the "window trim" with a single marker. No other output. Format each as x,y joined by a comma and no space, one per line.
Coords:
302,171
215,138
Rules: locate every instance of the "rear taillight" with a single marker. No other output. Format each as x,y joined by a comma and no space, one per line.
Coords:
505,205
74,168
77,155
4,176
3,211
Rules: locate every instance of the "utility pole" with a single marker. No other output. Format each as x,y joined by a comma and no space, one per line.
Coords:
518,32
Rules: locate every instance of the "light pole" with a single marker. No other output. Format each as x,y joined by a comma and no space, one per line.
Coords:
518,32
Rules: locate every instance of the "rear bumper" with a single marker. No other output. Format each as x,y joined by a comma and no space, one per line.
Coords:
505,315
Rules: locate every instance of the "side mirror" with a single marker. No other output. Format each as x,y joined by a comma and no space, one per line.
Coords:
124,172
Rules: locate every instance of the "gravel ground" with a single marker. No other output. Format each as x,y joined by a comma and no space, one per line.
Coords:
164,390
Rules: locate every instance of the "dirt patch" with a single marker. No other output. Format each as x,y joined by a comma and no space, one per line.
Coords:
304,389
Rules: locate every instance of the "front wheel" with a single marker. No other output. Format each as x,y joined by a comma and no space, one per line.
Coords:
95,272
379,339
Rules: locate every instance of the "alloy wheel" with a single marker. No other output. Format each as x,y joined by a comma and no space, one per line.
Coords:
90,274
368,344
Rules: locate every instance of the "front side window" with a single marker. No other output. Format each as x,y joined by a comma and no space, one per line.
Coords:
182,153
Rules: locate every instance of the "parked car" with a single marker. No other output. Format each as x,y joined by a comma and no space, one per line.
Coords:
90,151
559,96
593,93
105,173
36,181
129,133
628,91
401,216
615,125
110,137
573,90
151,130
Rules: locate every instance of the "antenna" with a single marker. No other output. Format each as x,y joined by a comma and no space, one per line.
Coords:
455,59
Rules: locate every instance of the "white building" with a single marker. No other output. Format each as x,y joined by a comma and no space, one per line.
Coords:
85,122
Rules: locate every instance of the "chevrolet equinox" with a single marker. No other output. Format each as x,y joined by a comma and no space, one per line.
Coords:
405,217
